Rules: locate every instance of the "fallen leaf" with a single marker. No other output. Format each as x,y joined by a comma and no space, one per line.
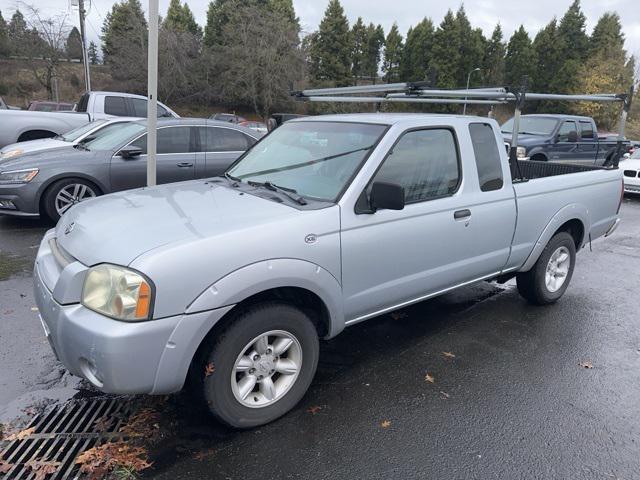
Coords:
5,467
429,378
42,469
313,410
209,369
385,424
448,354
398,315
21,434
444,394
586,364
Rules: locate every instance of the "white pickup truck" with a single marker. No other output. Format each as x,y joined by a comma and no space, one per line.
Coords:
24,125
326,222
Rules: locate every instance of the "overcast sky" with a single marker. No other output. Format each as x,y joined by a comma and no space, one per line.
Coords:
534,14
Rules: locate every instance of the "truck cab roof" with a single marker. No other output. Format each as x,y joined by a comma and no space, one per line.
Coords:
391,118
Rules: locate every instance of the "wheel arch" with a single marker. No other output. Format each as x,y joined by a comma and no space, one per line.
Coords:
35,134
573,219
63,176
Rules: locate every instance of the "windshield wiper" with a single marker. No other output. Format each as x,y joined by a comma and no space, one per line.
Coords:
235,180
81,146
290,193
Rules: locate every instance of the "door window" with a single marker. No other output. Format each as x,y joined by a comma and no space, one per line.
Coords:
115,106
174,140
565,130
140,108
216,139
425,163
487,155
586,130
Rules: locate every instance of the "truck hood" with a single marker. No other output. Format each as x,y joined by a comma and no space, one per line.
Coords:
119,227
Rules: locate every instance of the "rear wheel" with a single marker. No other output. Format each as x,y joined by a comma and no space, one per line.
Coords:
259,366
65,193
547,281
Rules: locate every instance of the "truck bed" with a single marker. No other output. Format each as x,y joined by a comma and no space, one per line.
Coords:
530,169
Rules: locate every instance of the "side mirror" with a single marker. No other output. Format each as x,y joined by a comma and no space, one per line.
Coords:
573,136
130,152
388,196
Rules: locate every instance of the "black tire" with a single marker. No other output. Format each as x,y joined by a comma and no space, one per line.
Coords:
539,158
213,368
49,197
532,284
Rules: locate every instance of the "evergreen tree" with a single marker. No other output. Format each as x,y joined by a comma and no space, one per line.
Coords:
92,52
472,47
5,49
572,32
493,71
520,59
358,49
375,42
549,49
392,55
446,52
19,35
180,19
74,45
217,18
285,9
331,50
416,57
607,35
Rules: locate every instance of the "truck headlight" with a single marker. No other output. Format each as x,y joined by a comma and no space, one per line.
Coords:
521,152
18,176
118,292
11,153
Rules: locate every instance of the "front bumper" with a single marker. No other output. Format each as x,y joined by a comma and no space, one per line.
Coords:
25,198
116,357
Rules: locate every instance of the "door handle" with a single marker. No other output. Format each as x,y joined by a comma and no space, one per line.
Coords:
185,164
462,214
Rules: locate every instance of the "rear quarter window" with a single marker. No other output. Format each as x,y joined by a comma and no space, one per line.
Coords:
115,106
488,161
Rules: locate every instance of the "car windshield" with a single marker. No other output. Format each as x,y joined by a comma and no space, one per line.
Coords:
76,133
532,125
116,137
636,154
316,159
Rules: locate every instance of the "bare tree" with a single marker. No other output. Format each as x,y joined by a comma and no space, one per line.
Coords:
46,41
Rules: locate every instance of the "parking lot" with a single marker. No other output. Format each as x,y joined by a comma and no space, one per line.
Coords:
474,384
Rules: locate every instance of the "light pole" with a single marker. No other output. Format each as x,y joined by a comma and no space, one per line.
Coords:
464,109
152,92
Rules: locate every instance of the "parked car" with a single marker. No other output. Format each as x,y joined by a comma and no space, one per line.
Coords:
50,182
561,138
228,117
21,126
46,106
631,170
259,127
326,222
81,134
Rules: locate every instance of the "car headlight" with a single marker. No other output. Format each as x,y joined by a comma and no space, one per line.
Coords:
521,152
11,153
18,176
118,292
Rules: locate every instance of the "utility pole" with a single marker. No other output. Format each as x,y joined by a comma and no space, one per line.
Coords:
85,56
152,92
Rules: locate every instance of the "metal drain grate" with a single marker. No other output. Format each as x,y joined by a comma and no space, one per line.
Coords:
58,436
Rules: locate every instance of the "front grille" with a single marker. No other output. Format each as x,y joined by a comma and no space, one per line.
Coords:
630,173
54,439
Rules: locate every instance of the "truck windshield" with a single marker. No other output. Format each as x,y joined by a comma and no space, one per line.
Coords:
532,125
76,133
116,137
314,158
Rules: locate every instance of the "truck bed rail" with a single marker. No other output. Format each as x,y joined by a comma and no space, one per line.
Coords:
531,169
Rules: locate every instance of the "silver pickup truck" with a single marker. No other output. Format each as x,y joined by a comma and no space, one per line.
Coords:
230,282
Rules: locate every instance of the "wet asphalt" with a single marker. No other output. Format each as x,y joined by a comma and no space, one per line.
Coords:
474,384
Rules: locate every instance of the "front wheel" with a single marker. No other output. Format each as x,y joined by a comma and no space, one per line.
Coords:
260,366
65,193
547,281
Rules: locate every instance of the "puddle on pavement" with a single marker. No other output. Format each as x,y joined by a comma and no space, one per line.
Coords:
12,264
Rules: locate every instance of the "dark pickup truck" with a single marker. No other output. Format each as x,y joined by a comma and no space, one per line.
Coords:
562,138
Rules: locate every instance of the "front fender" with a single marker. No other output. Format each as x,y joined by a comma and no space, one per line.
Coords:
572,211
265,275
